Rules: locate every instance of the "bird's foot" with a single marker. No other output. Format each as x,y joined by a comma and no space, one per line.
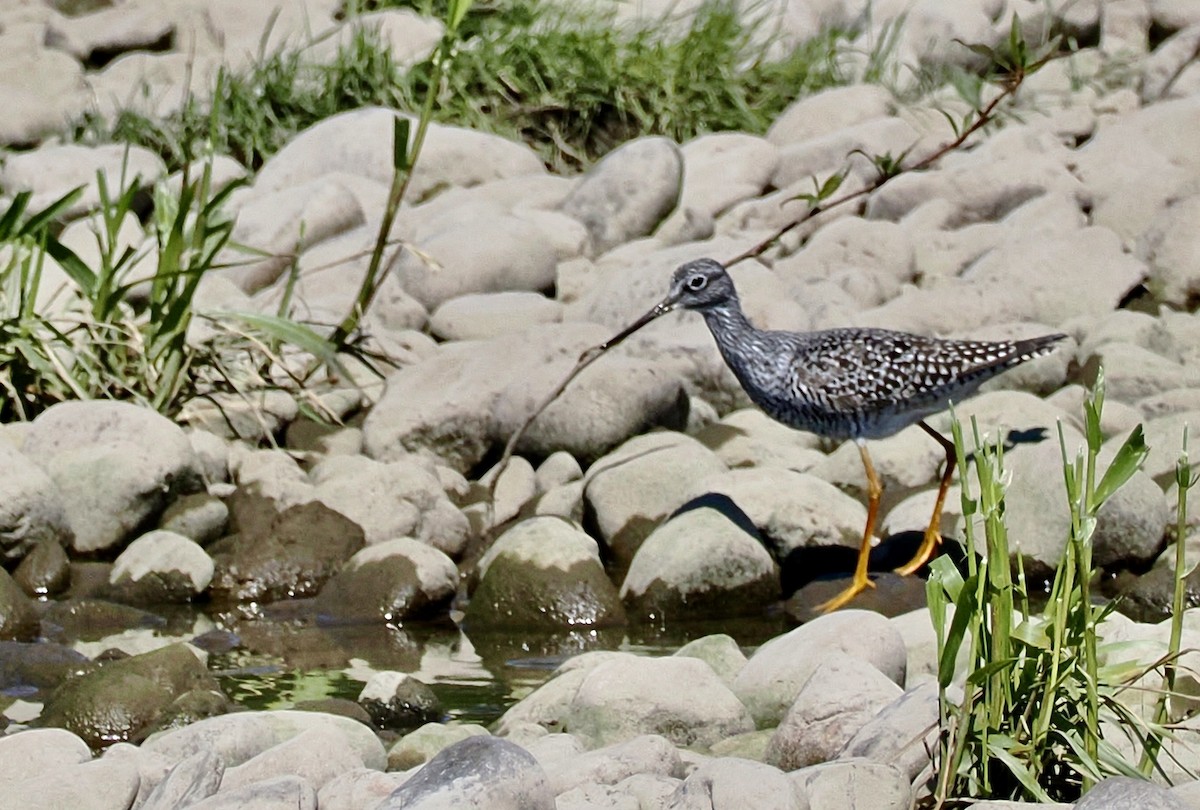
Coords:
929,547
856,586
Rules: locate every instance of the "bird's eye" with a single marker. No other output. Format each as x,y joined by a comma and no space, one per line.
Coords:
697,283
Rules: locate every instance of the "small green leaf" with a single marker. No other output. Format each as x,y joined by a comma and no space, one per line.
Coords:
965,607
74,267
286,331
831,185
8,222
1128,460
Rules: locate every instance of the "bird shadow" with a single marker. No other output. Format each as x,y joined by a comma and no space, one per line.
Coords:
808,564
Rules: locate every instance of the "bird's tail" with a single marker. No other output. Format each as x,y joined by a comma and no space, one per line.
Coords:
1034,347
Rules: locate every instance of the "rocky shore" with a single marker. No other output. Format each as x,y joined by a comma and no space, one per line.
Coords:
650,491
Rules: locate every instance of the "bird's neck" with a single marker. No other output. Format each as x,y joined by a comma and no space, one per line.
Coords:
727,321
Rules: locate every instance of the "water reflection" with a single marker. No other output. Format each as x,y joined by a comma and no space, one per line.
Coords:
280,655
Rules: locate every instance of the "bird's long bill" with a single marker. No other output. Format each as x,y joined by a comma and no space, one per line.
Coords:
660,309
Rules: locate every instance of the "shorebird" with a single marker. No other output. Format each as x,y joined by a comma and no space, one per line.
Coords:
855,384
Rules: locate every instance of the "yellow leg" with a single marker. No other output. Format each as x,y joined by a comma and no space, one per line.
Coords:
859,583
933,534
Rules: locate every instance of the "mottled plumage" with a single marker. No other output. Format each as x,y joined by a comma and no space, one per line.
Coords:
845,383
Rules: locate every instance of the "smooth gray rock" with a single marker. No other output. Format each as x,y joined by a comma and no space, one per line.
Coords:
543,573
478,773
778,670
359,788
719,651
31,506
360,142
1138,163
49,749
43,88
1164,438
388,500
839,698
791,510
237,738
852,783
1131,525
724,168
545,708
681,699
102,784
821,156
647,754
389,582
397,700
116,465
18,616
700,563
559,468
888,736
276,793
51,171
419,746
487,254
637,485
484,315
123,699
750,438
614,399
284,223
443,404
829,111
191,780
315,755
161,566
200,517
629,192
1120,792
728,783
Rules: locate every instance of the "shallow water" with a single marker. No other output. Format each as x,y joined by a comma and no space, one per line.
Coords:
276,662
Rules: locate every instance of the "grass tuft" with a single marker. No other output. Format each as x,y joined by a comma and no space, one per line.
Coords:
572,87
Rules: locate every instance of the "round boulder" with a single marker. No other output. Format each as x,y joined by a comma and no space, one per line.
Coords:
389,581
626,195
389,500
289,555
543,573
18,618
31,507
610,402
45,570
161,566
481,771
633,488
681,699
840,697
117,465
122,700
701,564
396,700
792,510
776,672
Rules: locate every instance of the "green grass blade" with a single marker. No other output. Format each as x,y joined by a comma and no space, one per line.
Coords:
1127,461
12,215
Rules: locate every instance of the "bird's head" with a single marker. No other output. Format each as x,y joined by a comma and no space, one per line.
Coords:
701,284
